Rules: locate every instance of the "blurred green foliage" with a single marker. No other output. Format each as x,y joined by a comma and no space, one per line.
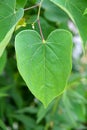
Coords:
19,109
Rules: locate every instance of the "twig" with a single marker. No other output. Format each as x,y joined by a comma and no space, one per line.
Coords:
40,30
38,19
32,7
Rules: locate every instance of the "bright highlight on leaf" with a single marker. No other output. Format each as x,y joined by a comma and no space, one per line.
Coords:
85,12
75,9
8,20
44,67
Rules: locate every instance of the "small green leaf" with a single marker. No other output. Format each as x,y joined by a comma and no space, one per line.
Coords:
2,62
68,106
45,67
2,125
31,110
42,112
75,9
27,121
9,17
3,95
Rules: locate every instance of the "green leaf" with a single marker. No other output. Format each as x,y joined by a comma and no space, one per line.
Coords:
2,62
42,112
68,106
45,67
31,110
9,17
3,95
75,9
20,3
57,15
28,122
2,125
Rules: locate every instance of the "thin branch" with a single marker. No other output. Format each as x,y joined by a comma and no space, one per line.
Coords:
32,7
40,30
37,20
39,9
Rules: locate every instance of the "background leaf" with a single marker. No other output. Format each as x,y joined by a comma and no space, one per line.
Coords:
8,20
57,15
75,10
2,62
2,125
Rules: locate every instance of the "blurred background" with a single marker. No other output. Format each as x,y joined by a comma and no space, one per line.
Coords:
19,109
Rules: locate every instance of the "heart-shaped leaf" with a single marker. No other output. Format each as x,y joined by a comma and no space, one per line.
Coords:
45,67
8,20
75,9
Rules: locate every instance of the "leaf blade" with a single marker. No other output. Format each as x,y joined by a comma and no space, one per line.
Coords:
37,65
8,19
75,10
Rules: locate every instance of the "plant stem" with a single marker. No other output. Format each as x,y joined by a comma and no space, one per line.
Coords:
32,7
39,9
38,20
